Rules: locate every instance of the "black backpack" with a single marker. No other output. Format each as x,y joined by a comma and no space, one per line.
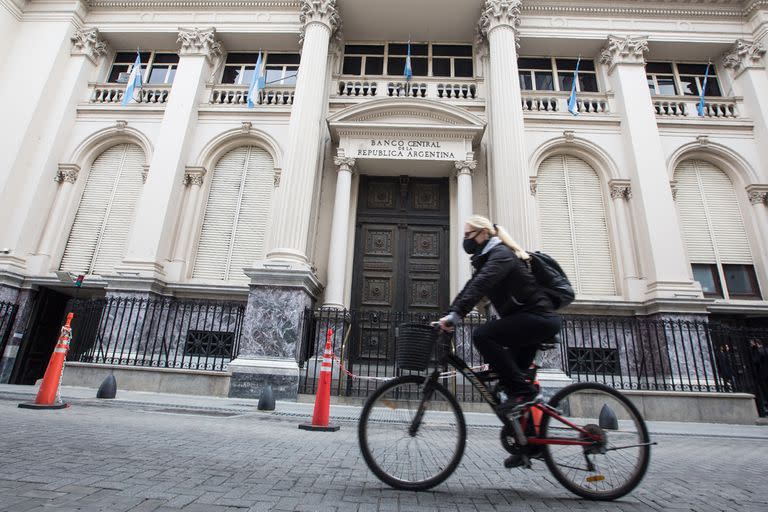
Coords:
550,276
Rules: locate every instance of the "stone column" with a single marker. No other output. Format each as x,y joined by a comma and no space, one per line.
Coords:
337,254
758,197
621,193
511,205
288,240
43,112
464,210
66,177
660,238
746,61
193,181
155,212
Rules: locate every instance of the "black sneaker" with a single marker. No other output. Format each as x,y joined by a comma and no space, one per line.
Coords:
523,458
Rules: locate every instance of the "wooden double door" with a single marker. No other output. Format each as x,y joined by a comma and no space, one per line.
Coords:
401,259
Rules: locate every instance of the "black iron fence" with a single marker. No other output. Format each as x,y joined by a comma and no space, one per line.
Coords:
7,316
629,353
161,333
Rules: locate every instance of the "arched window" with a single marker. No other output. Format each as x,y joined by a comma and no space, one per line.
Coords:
104,217
573,223
713,231
236,215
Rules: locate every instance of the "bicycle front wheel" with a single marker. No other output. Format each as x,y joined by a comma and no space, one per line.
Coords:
411,441
611,447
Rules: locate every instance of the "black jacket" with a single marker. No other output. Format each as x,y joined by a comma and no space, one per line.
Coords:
506,280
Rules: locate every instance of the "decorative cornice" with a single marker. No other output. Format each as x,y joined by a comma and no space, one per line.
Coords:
195,41
465,166
194,175
195,4
624,50
499,13
758,194
88,42
532,182
744,55
345,163
319,11
67,173
620,189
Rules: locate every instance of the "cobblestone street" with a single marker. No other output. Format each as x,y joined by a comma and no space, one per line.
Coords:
141,457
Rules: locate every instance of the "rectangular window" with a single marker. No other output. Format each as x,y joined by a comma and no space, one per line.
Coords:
279,68
438,60
551,74
673,79
741,281
156,67
707,276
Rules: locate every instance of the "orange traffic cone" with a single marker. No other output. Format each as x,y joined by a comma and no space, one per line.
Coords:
49,397
323,396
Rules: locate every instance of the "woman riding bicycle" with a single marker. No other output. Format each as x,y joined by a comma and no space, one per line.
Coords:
526,314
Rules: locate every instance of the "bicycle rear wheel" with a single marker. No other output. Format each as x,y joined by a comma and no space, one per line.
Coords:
616,460
404,457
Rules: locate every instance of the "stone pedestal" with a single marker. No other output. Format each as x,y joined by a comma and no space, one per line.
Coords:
272,330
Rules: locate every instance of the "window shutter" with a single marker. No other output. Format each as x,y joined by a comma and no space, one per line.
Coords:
236,215
105,214
573,223
590,229
713,228
724,215
693,215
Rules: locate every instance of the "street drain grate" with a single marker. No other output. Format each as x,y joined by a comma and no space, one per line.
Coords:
197,412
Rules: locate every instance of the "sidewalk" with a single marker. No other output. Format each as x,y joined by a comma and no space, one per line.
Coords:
338,413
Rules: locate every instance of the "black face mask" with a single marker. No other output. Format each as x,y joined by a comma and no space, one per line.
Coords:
471,246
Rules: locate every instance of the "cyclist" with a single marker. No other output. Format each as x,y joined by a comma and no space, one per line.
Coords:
526,315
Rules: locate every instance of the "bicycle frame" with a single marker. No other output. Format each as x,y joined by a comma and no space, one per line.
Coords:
513,420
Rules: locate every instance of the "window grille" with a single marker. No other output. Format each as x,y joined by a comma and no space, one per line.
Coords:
209,343
601,361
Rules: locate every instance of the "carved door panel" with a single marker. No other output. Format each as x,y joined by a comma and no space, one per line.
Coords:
401,260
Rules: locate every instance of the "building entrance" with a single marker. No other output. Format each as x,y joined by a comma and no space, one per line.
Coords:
401,260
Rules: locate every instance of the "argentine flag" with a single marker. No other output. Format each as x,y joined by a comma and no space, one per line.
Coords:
134,81
700,107
572,107
257,84
408,70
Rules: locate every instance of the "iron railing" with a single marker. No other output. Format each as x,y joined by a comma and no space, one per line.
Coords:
628,353
7,316
161,333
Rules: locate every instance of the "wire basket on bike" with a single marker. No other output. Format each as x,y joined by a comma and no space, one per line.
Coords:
415,343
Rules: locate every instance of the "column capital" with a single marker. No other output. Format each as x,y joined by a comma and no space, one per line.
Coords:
196,41
465,166
758,194
194,175
624,50
67,173
345,163
324,12
620,189
744,55
499,13
88,42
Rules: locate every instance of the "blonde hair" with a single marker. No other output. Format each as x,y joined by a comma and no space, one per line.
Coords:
480,222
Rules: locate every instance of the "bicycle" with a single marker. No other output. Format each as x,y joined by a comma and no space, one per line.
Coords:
412,432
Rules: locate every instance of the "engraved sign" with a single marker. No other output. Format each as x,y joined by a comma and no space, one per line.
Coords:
407,148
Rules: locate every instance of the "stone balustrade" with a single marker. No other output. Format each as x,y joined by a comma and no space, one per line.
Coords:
431,88
687,106
113,94
557,102
224,94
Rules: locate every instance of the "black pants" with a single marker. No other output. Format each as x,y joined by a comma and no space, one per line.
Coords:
509,344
